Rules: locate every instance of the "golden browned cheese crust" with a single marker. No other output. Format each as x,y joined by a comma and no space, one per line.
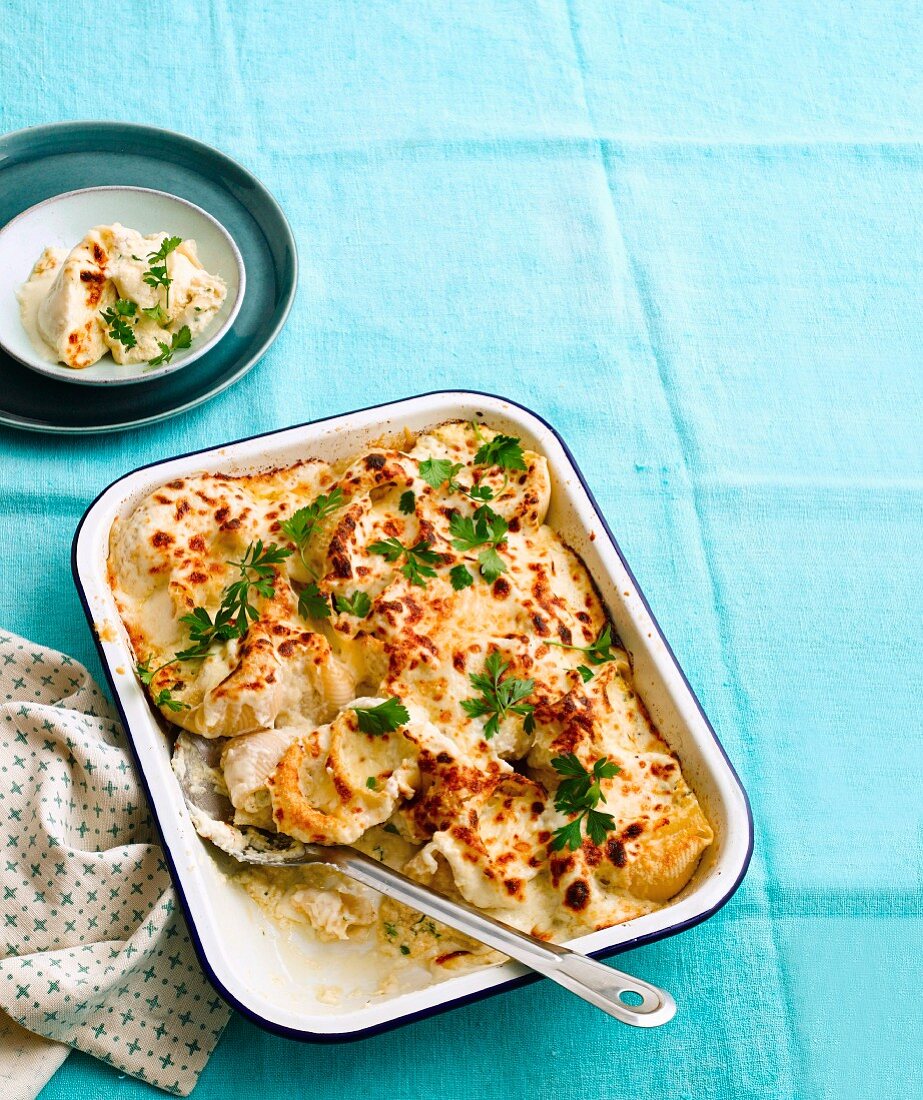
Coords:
437,798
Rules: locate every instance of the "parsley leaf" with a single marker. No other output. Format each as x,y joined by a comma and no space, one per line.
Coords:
499,697
119,328
357,604
385,718
312,603
145,672
203,631
419,558
492,565
578,795
439,471
371,783
164,698
436,471
389,549
586,674
157,275
598,653
480,492
484,528
156,313
408,502
504,451
460,577
178,342
301,525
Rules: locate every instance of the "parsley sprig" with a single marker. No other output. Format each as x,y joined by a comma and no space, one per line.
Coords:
485,528
357,604
499,697
598,653
157,275
301,525
504,451
312,603
232,619
579,793
156,313
119,328
385,718
419,559
164,698
440,471
179,341
236,612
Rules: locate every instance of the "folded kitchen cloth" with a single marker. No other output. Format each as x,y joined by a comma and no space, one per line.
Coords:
94,953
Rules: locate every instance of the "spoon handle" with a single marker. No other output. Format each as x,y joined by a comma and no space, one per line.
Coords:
595,982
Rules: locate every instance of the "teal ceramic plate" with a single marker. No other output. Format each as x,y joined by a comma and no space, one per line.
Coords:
44,161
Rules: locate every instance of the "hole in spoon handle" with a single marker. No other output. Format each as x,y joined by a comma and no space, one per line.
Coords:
629,999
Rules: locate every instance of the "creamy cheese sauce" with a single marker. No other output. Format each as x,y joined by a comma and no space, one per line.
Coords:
442,797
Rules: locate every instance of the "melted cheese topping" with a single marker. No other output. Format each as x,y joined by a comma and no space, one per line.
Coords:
436,798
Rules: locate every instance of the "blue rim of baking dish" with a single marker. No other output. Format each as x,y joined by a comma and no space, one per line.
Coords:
500,987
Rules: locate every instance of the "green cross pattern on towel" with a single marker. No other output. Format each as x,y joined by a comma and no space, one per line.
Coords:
94,953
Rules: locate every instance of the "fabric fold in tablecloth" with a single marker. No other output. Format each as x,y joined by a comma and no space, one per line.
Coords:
94,953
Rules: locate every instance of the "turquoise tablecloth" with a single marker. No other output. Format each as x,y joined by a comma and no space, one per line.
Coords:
690,236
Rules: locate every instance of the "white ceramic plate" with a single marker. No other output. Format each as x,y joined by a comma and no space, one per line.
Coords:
63,221
282,979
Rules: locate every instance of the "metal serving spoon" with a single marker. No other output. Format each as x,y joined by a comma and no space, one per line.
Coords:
195,761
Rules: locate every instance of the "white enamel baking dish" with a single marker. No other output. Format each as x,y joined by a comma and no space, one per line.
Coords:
283,980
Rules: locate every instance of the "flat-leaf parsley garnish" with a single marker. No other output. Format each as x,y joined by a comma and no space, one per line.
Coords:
419,558
408,502
499,697
164,698
440,471
461,577
232,619
157,275
437,471
312,603
485,528
504,451
156,313
179,341
301,525
385,718
357,604
236,613
119,328
578,795
597,653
